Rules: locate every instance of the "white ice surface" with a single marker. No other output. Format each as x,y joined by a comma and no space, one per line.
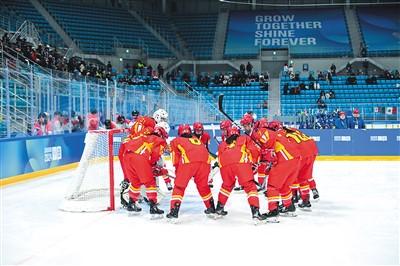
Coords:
355,222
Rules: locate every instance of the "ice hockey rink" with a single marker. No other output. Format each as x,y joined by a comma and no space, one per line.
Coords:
356,222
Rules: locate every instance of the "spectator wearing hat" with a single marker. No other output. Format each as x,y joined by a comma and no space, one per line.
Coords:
341,122
356,121
135,114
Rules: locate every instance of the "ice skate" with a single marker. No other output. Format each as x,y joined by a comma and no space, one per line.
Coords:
210,211
220,210
155,212
256,216
288,211
315,194
305,204
271,216
173,214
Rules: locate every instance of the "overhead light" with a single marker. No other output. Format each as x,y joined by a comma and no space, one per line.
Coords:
120,59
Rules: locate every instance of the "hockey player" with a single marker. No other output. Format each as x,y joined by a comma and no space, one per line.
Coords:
236,155
309,151
190,159
160,115
159,169
143,126
204,137
247,123
282,174
224,126
141,153
198,131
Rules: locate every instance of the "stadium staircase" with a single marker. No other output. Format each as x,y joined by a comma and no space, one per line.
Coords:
220,35
353,27
57,28
165,38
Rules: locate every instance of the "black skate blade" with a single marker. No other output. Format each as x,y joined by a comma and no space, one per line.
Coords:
305,209
315,200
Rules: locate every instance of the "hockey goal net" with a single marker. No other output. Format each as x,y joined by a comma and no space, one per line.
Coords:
95,182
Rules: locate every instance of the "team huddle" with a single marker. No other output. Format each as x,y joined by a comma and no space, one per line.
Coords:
281,158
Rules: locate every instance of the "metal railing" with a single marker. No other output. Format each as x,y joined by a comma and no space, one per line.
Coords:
24,95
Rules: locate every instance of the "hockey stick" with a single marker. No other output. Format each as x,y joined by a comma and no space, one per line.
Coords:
221,109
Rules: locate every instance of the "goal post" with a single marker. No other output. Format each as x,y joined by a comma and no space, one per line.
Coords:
94,182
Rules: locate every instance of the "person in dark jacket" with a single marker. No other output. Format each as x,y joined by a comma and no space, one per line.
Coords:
341,122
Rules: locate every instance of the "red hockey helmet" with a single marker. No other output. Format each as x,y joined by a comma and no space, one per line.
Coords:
275,125
197,126
233,131
225,124
184,129
247,119
143,123
262,123
161,132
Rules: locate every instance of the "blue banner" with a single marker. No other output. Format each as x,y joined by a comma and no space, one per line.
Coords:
380,28
302,31
26,155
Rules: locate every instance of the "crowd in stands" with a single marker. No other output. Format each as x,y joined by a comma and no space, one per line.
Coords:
313,82
227,79
51,58
60,123
337,119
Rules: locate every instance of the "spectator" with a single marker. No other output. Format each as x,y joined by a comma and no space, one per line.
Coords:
93,120
349,68
321,75
57,123
286,69
249,68
351,80
333,69
286,89
242,68
321,103
365,66
109,66
122,122
42,126
371,80
160,71
332,94
108,124
356,121
329,77
265,104
311,76
341,122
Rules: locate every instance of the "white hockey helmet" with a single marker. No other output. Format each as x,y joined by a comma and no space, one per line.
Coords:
160,115
164,125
